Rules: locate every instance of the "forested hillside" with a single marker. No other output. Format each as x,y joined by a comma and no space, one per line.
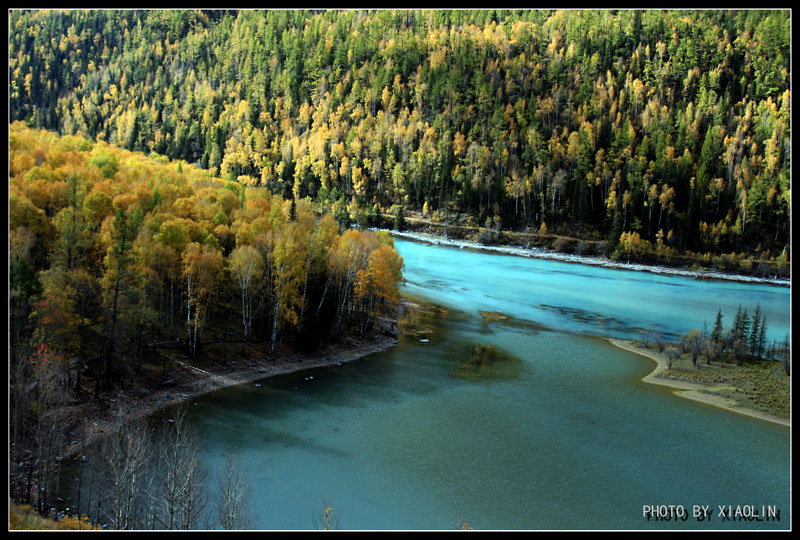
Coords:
113,254
112,250
666,129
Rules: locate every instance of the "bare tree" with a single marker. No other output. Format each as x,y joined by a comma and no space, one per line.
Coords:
234,496
179,477
693,342
20,459
127,454
193,501
672,355
47,395
660,342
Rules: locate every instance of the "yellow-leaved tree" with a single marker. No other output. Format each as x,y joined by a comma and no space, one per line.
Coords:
288,271
201,269
247,268
378,286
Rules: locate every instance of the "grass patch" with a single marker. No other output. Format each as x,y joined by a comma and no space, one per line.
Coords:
762,387
22,517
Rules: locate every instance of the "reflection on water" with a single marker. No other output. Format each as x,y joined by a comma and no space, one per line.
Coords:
491,318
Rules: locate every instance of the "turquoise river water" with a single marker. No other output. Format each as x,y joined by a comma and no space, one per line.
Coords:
563,434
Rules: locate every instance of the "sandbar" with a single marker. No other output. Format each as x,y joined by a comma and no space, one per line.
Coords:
693,391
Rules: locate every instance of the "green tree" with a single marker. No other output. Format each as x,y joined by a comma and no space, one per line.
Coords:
754,333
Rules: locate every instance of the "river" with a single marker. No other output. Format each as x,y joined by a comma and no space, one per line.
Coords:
504,409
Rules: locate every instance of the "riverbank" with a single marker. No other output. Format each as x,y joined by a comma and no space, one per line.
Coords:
709,394
583,259
174,379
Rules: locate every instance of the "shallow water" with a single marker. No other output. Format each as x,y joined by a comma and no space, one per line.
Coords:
583,298
552,429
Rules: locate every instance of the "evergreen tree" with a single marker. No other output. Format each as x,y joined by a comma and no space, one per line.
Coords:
785,355
293,210
399,218
762,338
755,331
739,334
716,333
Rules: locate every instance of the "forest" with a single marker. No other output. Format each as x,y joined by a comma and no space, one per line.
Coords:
654,131
115,253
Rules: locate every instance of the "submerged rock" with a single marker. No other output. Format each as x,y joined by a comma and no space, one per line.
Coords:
491,316
495,317
485,361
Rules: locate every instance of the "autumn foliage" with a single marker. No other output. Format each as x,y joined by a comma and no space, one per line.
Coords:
164,250
595,122
114,254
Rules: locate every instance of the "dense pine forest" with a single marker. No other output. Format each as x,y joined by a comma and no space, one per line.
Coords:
655,132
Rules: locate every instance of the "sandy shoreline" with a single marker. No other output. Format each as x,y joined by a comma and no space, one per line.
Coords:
581,259
690,390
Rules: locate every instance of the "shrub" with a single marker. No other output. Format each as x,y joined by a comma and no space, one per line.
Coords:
24,518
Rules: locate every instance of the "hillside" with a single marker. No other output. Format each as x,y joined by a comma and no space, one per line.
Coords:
670,127
119,262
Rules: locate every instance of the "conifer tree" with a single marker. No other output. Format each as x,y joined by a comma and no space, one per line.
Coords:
755,331
716,333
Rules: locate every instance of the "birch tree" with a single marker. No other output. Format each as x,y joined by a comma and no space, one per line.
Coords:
201,267
378,286
246,265
179,482
127,453
287,272
234,496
